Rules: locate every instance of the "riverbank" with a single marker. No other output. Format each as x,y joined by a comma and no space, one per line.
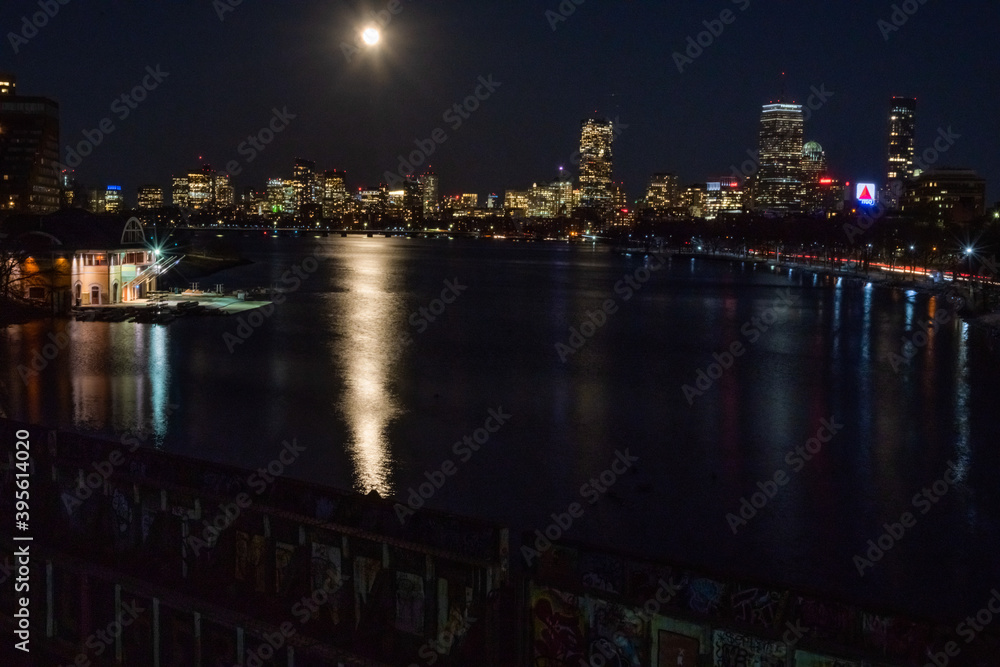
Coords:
988,321
15,312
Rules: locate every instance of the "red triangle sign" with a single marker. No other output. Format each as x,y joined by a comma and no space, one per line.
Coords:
865,195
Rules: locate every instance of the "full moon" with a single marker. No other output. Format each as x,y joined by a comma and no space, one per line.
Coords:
371,36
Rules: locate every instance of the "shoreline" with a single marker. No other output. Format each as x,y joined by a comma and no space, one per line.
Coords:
986,321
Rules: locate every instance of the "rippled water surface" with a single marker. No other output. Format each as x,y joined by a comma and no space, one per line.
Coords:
328,367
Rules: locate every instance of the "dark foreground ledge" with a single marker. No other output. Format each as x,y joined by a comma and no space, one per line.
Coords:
143,558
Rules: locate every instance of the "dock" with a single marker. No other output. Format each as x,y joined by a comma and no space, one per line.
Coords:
165,307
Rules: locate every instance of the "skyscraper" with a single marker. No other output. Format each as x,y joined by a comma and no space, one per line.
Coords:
662,192
29,151
902,127
596,137
813,162
334,194
181,192
150,196
779,180
114,201
304,175
413,200
429,181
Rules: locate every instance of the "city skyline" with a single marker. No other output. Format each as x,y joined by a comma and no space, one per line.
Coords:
526,128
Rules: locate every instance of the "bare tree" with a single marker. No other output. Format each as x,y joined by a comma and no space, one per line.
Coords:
12,275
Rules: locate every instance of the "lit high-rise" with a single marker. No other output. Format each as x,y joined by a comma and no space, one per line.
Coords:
334,194
596,137
779,179
29,151
662,192
902,128
429,181
114,202
150,196
304,175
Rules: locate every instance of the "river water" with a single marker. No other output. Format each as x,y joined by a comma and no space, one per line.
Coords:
328,368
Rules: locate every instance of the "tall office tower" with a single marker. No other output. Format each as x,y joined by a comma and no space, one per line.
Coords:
413,200
201,188
223,194
562,197
180,192
662,193
29,151
114,201
813,162
778,185
96,200
429,180
469,200
692,199
596,137
290,196
334,194
150,196
275,195
902,128
491,199
814,170
722,196
67,187
304,175
517,201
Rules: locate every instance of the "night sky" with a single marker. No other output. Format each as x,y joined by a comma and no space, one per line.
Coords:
609,56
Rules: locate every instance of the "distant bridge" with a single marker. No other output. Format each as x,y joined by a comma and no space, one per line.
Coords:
334,232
